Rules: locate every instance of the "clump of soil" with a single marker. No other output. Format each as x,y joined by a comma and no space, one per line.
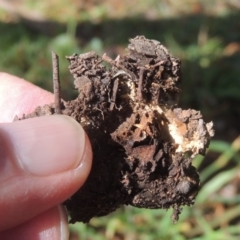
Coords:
143,145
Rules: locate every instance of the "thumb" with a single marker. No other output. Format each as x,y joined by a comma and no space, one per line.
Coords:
43,161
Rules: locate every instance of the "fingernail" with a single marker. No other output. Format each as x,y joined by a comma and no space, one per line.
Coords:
64,230
46,145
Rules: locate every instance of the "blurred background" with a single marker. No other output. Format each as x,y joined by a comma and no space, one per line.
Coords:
205,35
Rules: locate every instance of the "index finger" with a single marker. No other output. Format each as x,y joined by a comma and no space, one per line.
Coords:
18,97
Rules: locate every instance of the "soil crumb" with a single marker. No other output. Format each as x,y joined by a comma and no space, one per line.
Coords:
143,143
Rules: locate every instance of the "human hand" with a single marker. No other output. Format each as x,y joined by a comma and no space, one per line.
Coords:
43,161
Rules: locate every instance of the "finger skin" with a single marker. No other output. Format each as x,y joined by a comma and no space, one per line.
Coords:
42,227
43,193
26,196
20,97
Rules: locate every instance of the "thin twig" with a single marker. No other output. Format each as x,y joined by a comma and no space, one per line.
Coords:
118,65
56,83
140,83
114,94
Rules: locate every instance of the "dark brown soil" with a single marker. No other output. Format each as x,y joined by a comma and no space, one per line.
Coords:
143,145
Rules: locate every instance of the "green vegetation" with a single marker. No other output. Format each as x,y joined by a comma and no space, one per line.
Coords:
205,36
